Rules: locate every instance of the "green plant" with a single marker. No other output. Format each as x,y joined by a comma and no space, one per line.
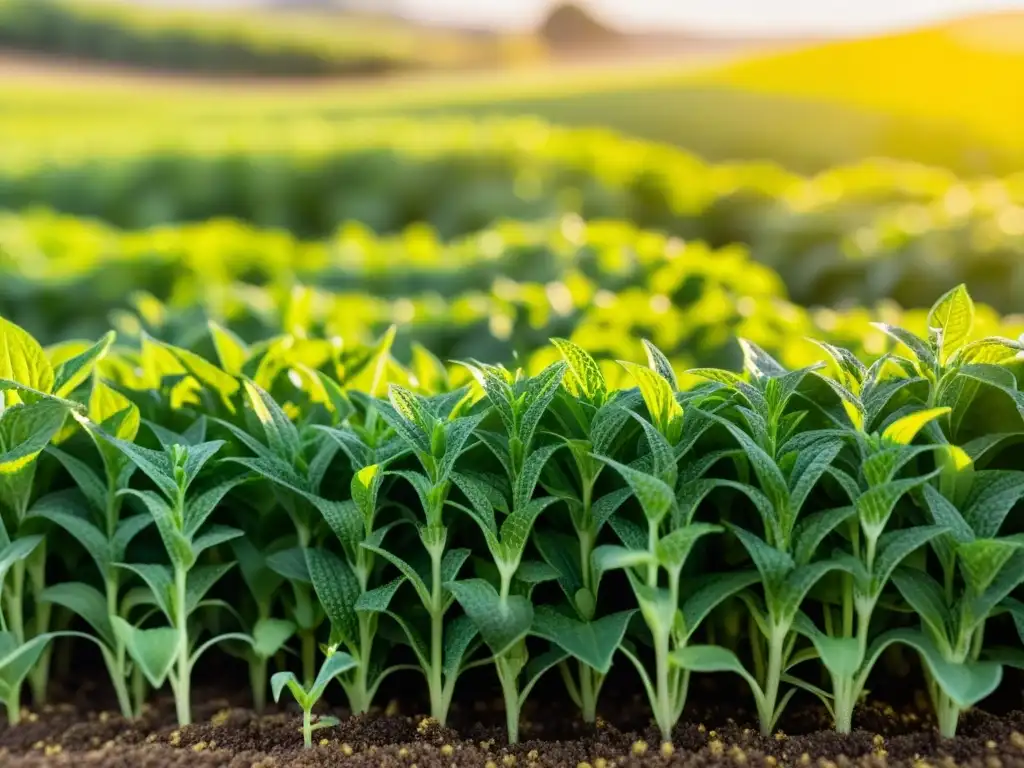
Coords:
33,409
177,591
335,664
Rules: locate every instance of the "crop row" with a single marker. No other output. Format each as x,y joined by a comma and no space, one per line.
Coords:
786,526
861,233
231,44
496,295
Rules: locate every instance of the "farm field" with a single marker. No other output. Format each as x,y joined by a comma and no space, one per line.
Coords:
355,423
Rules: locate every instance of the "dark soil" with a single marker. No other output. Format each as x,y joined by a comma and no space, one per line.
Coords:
714,733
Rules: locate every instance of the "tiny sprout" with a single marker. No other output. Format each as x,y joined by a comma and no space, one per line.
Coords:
336,663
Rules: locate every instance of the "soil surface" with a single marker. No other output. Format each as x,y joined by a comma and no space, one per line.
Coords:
715,732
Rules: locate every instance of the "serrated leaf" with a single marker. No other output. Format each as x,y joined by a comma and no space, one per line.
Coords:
812,530
542,390
459,635
337,588
515,530
992,495
282,436
500,624
530,474
583,378
918,347
214,535
154,650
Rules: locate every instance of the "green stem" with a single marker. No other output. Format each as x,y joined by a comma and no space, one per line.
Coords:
258,682
360,700
307,729
776,645
588,694
435,682
183,674
139,690
13,703
663,706
510,693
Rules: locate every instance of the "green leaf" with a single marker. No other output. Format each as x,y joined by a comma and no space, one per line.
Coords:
88,482
199,508
270,635
918,347
282,436
584,378
656,498
459,635
925,597
944,514
280,680
966,683
530,474
178,547
154,650
875,505
18,659
336,664
673,549
542,388
501,624
981,561
405,569
72,374
200,581
771,563
657,362
712,658
894,547
659,397
812,530
337,588
60,508
22,359
457,434
515,531
378,600
905,429
992,495
951,319
810,465
594,642
232,352
25,430
215,534
160,582
155,464
291,564
17,551
610,557
84,600
707,593
996,376
561,552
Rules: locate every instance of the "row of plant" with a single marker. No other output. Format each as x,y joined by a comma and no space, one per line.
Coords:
208,43
861,233
790,526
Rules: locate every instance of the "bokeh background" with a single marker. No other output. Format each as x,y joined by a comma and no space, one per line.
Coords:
486,174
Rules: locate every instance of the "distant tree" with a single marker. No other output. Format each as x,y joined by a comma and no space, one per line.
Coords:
571,24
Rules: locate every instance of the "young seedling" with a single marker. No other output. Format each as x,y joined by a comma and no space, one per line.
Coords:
335,664
33,409
788,464
180,590
93,518
432,431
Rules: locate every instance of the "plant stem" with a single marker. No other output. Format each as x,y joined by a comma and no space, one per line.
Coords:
14,706
510,693
438,705
588,694
39,677
183,674
138,690
776,644
307,729
258,682
663,706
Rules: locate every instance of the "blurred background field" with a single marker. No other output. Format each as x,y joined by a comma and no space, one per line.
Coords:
332,168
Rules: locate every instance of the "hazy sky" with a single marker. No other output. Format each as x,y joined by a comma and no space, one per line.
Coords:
781,16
